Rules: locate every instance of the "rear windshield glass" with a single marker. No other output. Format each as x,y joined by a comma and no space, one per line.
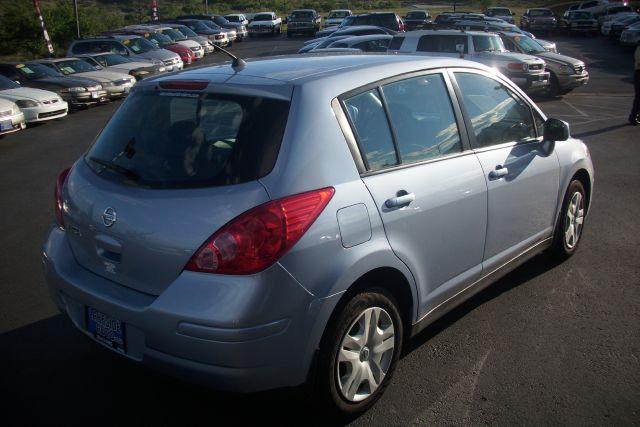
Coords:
301,15
541,12
263,17
179,140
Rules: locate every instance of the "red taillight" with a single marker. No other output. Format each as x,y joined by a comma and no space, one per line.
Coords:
184,84
259,237
57,193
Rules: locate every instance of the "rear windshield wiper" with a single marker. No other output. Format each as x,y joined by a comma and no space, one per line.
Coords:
106,164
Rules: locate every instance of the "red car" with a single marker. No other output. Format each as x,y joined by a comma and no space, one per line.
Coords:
162,41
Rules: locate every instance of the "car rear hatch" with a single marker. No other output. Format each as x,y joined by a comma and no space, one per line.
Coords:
170,168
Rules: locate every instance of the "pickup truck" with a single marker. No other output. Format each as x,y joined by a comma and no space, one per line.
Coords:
526,71
265,23
417,20
303,21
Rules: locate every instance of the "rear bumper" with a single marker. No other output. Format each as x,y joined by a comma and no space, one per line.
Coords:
243,334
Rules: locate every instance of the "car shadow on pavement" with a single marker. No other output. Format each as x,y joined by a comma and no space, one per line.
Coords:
52,374
530,269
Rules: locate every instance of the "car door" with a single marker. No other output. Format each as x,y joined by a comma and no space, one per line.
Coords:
522,172
426,182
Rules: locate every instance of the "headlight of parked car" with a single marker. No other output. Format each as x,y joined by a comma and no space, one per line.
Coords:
73,89
26,103
107,84
566,69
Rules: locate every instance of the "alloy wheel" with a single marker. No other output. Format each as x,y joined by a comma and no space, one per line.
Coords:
365,354
574,220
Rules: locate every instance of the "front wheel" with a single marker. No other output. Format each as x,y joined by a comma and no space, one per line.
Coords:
359,352
571,222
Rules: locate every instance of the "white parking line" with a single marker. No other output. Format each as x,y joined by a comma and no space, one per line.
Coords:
575,108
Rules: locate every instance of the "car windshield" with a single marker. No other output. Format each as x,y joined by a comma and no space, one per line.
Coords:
540,12
73,66
173,34
580,15
488,44
139,44
198,26
301,15
36,71
186,31
339,14
262,17
629,20
528,45
499,11
158,38
220,20
619,9
183,139
5,84
233,18
109,59
92,61
212,25
416,15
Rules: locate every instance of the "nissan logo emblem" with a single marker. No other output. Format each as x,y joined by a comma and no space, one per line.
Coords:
109,217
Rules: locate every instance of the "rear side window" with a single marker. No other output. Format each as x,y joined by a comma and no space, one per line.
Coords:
388,20
435,43
422,118
369,120
396,43
182,140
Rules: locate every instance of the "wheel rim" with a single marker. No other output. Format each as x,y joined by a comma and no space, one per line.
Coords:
574,220
365,354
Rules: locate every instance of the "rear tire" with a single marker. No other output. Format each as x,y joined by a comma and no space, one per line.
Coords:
355,366
568,232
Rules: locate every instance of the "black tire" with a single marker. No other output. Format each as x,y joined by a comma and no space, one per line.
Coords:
561,249
554,86
327,388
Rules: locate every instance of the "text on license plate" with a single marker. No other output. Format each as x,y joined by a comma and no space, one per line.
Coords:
106,329
6,124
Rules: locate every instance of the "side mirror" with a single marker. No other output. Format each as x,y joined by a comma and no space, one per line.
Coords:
555,130
460,50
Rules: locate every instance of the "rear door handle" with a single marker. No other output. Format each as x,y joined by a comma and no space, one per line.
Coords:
498,172
402,200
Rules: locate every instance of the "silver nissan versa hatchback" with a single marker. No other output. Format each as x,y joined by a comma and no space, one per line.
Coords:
296,220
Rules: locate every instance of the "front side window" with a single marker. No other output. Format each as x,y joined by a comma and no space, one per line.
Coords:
422,117
488,44
396,43
447,44
496,114
369,120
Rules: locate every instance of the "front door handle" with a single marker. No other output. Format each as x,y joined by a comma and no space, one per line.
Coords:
498,172
402,200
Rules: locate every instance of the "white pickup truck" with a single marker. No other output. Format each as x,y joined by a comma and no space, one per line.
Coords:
265,23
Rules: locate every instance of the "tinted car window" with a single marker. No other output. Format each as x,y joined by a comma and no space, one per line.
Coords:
168,139
5,84
422,117
396,43
387,20
497,115
372,129
435,43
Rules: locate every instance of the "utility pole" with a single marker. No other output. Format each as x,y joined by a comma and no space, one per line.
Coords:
206,6
75,9
45,34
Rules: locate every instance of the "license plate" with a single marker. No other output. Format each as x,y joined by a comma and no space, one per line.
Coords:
94,94
6,124
538,83
106,329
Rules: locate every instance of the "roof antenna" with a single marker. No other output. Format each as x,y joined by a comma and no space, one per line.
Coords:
238,63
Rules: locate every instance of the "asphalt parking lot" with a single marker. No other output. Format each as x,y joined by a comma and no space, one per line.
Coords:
547,344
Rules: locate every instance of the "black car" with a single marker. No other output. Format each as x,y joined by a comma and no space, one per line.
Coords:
578,21
619,26
221,21
417,20
378,19
303,21
77,91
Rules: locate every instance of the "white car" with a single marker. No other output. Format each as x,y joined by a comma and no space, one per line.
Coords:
116,84
335,17
37,105
121,64
265,23
238,18
11,118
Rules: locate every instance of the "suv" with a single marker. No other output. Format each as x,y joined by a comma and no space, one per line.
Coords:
217,36
503,13
578,21
132,46
538,19
417,20
303,21
207,232
525,70
379,19
565,73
